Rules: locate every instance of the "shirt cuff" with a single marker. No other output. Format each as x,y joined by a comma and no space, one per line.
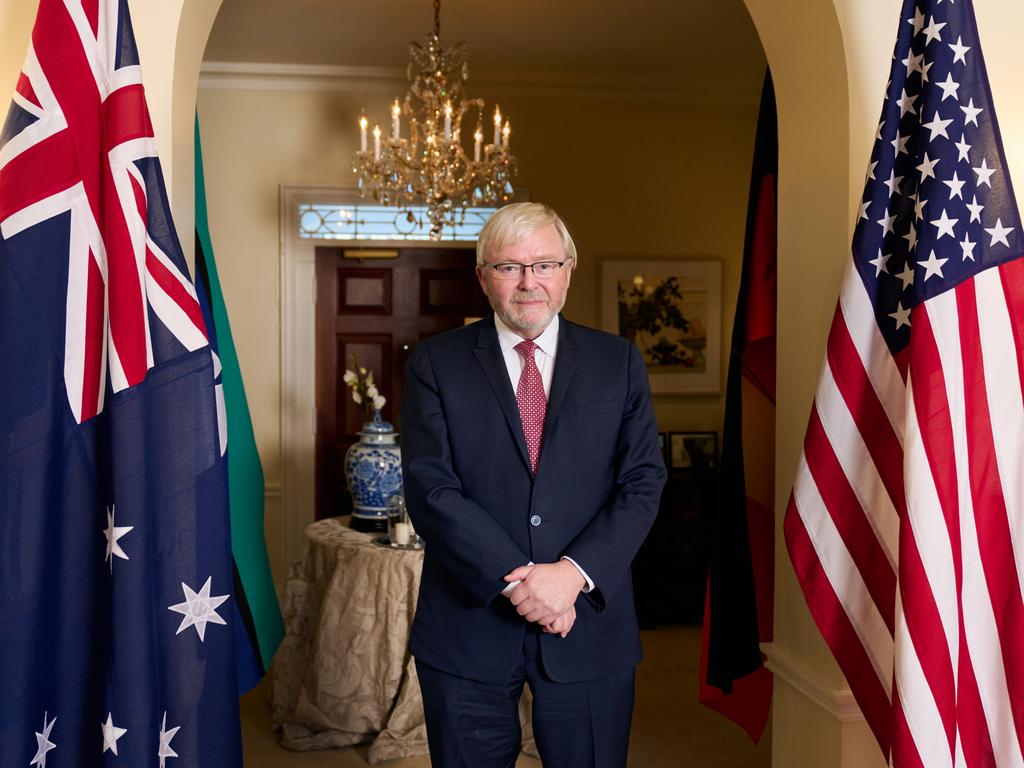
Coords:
590,582
513,584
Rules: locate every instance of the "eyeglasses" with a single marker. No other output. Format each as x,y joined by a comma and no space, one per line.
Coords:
542,270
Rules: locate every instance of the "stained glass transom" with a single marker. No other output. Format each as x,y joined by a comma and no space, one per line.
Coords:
355,221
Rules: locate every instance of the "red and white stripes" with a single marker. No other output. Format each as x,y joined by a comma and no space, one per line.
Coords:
906,522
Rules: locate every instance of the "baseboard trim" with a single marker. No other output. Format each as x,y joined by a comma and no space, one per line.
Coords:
838,702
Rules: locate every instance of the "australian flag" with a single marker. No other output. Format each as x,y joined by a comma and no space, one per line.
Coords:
116,604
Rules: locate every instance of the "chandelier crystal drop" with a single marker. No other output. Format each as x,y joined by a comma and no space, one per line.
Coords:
425,162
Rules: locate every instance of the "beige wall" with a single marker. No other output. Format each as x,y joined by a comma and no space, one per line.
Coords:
681,192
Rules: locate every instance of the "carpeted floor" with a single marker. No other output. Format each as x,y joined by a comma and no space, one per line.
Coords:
670,729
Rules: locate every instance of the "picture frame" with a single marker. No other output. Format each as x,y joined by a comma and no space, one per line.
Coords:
663,446
672,311
693,450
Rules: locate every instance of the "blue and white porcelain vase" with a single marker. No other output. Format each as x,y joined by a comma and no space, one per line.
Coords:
373,471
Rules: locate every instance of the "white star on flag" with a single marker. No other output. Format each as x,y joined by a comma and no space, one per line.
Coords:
999,233
945,225
963,148
907,275
975,208
949,87
901,315
927,167
165,750
971,113
113,534
886,223
879,263
959,51
198,609
968,248
911,238
893,183
937,126
919,209
912,62
932,266
955,186
899,144
917,22
906,103
43,743
984,174
864,209
111,733
931,32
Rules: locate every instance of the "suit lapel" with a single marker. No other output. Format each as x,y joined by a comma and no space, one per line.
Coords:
488,354
566,359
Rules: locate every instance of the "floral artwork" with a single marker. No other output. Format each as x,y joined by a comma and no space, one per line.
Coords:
667,319
672,311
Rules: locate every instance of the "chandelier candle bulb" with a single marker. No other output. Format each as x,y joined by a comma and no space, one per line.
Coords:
396,110
448,120
376,142
497,125
478,140
362,133
505,133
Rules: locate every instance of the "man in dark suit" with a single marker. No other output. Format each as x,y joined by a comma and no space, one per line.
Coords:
533,473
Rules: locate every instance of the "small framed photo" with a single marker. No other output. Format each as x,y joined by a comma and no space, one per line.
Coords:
693,450
663,445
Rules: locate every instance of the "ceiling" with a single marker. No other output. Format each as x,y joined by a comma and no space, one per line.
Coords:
656,40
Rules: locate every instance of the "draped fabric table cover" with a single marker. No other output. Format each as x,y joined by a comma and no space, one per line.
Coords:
343,674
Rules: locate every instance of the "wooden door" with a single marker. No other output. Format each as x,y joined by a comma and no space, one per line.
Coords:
377,308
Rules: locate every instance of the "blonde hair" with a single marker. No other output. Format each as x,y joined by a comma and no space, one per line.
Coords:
511,224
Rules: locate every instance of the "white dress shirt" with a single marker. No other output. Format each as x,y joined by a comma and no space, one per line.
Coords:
544,356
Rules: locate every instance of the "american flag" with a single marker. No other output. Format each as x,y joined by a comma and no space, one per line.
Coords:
906,518
118,618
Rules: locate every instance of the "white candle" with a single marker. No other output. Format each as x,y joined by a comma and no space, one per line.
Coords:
478,140
396,110
362,133
401,534
497,124
376,142
505,134
448,120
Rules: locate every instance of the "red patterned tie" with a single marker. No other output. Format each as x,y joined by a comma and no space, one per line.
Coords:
533,403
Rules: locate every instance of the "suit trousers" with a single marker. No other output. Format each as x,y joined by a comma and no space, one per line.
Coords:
471,724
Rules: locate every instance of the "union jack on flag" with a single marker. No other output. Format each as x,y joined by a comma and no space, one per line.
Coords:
78,140
906,518
119,620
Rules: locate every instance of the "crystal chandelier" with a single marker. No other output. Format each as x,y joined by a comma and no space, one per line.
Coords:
428,165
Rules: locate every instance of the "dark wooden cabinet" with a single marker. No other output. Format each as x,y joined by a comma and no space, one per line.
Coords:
670,570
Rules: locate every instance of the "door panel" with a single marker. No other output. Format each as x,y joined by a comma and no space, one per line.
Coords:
377,309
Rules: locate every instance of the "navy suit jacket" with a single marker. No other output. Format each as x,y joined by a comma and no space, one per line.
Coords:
471,497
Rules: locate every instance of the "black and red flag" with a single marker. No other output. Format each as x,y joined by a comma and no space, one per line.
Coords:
739,605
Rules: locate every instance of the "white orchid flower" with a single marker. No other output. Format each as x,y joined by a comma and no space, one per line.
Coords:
362,371
371,391
356,397
350,377
378,402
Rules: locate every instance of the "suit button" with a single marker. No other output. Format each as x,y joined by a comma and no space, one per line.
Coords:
535,520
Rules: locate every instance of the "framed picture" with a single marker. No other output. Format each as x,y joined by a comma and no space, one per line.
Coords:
693,450
663,445
672,311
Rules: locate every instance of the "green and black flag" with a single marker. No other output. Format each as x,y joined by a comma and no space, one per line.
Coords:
261,628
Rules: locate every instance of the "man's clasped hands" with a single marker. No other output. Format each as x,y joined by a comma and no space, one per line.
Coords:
546,594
